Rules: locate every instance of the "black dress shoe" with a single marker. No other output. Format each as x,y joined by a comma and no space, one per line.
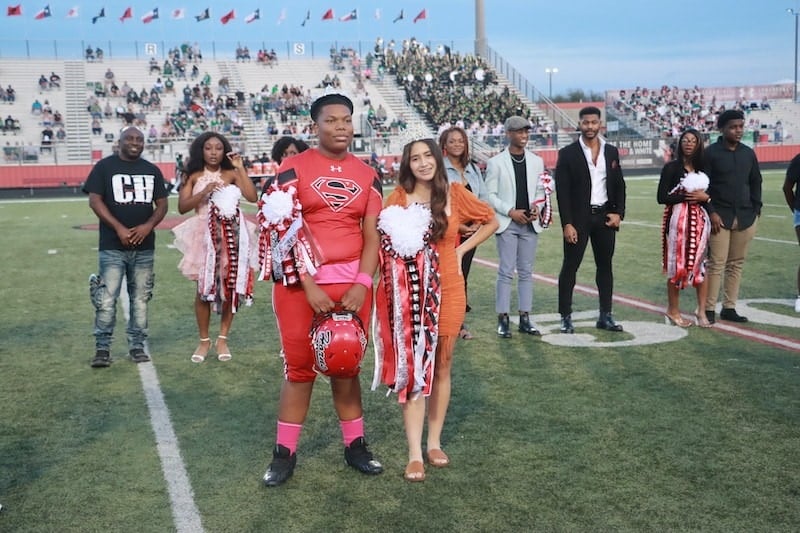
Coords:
711,316
732,316
282,466
606,322
566,324
525,325
359,457
503,330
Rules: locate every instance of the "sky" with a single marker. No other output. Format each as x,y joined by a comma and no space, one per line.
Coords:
595,46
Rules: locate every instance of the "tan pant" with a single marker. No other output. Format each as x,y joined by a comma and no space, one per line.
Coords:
727,252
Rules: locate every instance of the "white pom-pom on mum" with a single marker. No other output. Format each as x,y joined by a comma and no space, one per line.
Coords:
406,227
695,181
227,200
278,206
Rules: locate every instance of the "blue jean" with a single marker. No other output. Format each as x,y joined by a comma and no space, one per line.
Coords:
516,249
137,267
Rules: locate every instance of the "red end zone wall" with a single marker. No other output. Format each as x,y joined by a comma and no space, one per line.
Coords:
42,176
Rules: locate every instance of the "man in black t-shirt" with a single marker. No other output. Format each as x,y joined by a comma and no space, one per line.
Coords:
516,190
129,196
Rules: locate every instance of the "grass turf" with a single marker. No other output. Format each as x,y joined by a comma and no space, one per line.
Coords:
702,433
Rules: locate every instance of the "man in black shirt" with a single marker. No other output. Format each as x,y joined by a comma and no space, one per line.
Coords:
514,188
129,197
735,190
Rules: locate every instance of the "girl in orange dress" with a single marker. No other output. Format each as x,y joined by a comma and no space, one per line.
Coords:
420,300
217,242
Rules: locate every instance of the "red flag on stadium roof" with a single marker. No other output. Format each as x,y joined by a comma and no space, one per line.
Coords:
328,15
43,13
227,17
422,15
128,14
150,16
14,11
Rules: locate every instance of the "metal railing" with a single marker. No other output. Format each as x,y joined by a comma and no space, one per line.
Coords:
529,89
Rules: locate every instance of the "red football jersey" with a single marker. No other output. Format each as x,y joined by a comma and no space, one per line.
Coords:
336,195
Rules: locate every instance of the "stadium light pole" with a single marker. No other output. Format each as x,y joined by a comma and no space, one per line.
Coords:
550,71
796,14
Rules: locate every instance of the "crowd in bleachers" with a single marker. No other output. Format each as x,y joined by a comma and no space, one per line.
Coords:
51,120
198,108
671,110
449,87
268,58
284,110
363,71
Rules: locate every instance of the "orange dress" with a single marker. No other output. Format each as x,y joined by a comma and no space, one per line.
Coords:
464,207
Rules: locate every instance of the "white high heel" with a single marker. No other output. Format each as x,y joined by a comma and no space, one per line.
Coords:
680,322
199,358
223,356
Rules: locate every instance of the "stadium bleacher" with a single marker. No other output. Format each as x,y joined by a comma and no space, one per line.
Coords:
407,86
667,111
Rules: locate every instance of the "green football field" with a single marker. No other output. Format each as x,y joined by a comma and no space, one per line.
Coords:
654,429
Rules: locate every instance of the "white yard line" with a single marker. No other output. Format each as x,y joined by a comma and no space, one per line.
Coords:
184,511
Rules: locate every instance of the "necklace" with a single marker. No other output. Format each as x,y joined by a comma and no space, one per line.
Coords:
515,160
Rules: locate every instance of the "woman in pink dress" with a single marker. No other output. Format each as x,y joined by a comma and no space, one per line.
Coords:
217,242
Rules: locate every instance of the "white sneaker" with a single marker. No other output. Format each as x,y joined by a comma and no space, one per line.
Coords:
797,305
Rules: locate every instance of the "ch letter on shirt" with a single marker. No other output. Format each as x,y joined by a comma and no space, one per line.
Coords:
133,189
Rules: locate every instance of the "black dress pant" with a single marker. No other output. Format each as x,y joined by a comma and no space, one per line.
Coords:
466,263
603,239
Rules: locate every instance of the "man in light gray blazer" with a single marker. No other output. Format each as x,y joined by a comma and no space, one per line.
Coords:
519,190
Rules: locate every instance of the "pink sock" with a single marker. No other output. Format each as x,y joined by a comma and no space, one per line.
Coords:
352,429
288,435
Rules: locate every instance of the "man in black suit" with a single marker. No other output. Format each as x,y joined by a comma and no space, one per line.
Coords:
591,203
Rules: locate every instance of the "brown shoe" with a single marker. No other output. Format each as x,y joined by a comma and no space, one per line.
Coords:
438,458
415,472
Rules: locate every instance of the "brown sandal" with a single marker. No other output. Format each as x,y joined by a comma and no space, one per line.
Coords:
415,472
438,458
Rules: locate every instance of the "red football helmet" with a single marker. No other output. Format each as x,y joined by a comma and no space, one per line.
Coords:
339,343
